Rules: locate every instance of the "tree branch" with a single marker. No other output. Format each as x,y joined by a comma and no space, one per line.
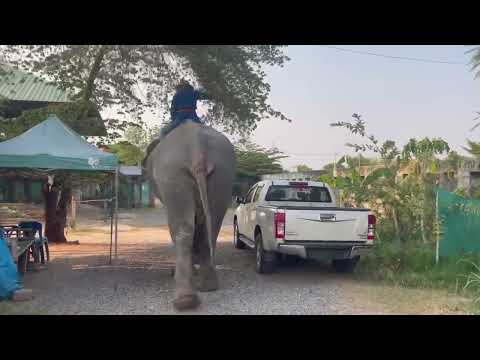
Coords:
89,86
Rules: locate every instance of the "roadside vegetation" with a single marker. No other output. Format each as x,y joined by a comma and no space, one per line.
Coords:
400,188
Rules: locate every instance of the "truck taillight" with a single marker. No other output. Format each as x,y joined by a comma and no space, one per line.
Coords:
372,221
279,223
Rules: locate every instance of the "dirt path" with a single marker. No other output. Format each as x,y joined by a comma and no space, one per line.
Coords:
79,279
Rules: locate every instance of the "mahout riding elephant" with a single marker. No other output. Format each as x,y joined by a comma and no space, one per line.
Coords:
192,171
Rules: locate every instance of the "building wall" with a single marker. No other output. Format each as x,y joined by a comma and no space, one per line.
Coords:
134,192
20,190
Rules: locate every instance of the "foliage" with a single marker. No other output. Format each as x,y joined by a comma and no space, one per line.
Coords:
454,161
474,192
415,266
128,154
303,168
473,281
475,62
339,165
331,166
473,148
421,157
137,78
141,136
254,160
387,151
461,192
72,114
403,205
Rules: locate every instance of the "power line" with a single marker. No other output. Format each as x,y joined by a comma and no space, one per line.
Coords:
394,57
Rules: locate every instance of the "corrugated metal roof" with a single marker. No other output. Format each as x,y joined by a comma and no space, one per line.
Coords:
131,170
20,86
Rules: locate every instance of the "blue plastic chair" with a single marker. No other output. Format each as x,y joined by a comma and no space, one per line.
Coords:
40,242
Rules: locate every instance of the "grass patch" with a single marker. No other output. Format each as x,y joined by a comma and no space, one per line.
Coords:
414,267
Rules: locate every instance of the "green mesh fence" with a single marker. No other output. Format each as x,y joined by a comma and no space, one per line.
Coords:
460,224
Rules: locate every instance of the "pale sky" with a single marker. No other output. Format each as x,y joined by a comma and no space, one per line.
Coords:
399,99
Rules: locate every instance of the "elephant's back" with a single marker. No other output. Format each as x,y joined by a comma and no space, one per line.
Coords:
192,138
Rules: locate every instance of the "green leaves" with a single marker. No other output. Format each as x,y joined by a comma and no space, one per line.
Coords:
141,136
253,160
475,61
406,202
127,153
473,148
425,149
82,116
139,78
303,168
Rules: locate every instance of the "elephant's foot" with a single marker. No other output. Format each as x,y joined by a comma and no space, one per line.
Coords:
208,282
186,302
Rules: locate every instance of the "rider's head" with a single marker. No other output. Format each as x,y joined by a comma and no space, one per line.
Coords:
183,85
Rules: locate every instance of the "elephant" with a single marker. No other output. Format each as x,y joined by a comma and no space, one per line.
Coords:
192,171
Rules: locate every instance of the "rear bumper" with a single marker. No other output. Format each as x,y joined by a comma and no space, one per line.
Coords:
325,250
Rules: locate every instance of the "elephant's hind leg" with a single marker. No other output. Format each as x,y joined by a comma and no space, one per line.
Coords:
208,280
180,205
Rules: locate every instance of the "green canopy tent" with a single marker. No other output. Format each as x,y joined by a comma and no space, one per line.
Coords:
52,146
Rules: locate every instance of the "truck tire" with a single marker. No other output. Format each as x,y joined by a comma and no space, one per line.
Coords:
345,265
237,243
290,260
265,262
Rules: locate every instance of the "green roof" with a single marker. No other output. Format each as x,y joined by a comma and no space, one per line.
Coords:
21,86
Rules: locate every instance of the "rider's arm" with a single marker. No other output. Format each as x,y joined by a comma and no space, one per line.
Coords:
201,94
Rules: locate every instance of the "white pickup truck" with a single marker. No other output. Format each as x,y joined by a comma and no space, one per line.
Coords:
301,219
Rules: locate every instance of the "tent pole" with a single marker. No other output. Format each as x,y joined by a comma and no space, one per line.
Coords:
116,210
110,215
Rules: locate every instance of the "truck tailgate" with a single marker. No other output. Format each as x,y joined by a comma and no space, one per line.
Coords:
326,224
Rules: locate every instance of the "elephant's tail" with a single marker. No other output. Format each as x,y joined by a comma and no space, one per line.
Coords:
201,173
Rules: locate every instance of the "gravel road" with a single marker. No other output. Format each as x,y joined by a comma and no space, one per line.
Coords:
79,280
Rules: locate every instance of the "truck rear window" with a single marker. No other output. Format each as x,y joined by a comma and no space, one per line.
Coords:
298,193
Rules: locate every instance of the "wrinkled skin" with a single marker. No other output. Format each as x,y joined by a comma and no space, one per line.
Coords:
192,172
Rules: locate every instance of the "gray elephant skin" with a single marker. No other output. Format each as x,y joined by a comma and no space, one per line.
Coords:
192,171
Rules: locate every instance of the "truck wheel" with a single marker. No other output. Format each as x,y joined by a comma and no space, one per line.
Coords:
237,243
345,265
265,261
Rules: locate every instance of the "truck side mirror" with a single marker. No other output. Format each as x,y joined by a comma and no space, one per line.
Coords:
240,200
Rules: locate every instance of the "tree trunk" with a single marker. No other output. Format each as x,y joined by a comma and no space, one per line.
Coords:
398,241
56,212
90,84
50,195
